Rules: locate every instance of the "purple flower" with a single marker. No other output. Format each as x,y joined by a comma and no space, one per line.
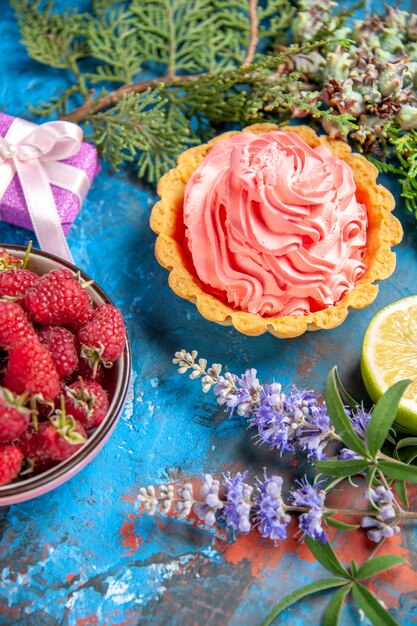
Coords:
382,525
307,495
382,499
271,420
360,420
314,433
311,497
299,400
244,398
250,382
225,389
270,509
310,525
379,528
206,510
346,454
238,503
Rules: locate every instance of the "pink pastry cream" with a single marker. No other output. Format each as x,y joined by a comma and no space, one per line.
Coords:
273,226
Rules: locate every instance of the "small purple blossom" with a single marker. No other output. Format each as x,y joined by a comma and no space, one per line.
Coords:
313,436
206,510
311,497
271,420
307,495
382,524
382,499
249,381
270,509
238,505
296,420
346,454
299,400
360,420
380,529
243,398
225,389
310,525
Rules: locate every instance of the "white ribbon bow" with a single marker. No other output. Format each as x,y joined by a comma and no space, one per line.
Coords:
34,153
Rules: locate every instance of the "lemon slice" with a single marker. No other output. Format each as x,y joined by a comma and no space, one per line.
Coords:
389,354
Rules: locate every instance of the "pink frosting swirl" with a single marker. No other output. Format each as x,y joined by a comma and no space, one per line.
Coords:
273,225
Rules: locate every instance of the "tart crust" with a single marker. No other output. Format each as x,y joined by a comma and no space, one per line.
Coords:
384,231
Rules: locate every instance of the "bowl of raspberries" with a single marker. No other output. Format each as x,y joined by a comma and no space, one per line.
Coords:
64,371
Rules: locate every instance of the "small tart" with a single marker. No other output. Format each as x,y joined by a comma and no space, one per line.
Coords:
383,232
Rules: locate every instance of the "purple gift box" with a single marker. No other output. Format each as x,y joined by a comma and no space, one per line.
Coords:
13,207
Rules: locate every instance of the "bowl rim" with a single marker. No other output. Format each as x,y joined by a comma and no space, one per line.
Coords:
101,433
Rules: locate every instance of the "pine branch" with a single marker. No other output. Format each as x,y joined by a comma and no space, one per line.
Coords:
404,143
206,54
144,124
54,39
229,77
254,27
113,41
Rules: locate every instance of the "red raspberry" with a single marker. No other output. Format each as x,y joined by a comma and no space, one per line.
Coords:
61,343
87,402
31,368
14,418
8,261
89,373
14,325
60,438
11,458
104,337
15,283
29,444
57,299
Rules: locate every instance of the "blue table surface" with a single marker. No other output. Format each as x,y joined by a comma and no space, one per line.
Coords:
83,554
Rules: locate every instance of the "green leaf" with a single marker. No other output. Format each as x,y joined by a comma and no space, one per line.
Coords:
383,416
339,524
339,418
353,569
406,442
333,611
401,490
411,458
379,564
345,396
399,471
342,468
371,607
294,596
403,444
326,557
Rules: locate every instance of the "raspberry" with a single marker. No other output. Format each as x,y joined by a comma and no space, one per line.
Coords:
60,438
14,418
87,402
29,444
11,458
31,368
104,337
61,343
15,283
57,299
14,325
89,373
